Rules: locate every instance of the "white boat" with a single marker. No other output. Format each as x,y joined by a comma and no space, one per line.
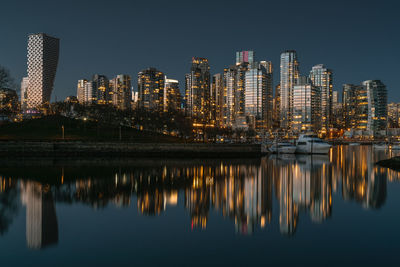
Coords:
395,146
380,146
283,148
311,144
354,144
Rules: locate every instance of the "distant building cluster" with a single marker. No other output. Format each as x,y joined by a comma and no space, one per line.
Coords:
100,90
240,97
365,107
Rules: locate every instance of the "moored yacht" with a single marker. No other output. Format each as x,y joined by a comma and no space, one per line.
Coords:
282,148
395,146
311,144
354,144
380,146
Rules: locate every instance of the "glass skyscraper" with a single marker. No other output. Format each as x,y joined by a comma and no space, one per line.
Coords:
172,95
393,115
258,96
268,96
306,107
377,106
43,53
197,96
81,93
229,84
355,107
246,100
151,83
101,94
277,107
321,77
244,57
217,99
24,93
289,76
121,91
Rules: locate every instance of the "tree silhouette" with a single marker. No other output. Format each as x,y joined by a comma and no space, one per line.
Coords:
6,81
8,208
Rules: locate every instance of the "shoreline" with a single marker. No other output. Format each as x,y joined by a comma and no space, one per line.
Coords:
59,149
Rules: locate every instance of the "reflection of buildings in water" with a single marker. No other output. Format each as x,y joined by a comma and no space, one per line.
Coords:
317,167
198,203
392,175
283,157
288,210
170,198
123,199
8,203
99,192
376,189
253,196
362,181
41,219
154,202
150,203
238,191
197,197
306,185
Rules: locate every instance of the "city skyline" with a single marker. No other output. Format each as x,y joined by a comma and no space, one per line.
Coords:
352,58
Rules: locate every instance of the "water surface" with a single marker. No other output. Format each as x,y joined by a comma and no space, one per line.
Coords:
339,209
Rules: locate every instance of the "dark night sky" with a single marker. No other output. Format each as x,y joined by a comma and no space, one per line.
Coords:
359,40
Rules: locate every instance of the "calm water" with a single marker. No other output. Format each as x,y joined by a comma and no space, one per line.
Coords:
339,209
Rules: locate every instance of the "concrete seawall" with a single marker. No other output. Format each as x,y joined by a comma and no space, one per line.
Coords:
121,149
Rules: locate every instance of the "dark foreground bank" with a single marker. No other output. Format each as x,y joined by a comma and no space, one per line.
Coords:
392,163
122,149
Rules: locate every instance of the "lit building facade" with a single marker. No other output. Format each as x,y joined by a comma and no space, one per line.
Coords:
24,93
81,93
377,106
228,108
289,75
247,93
268,96
355,107
151,83
122,94
277,107
258,96
244,57
217,99
43,52
239,104
393,115
102,94
335,98
172,95
90,93
321,77
306,108
337,111
197,93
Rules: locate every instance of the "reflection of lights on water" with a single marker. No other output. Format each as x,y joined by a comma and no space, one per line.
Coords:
243,192
262,222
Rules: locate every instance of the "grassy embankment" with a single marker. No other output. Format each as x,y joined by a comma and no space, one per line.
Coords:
49,128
